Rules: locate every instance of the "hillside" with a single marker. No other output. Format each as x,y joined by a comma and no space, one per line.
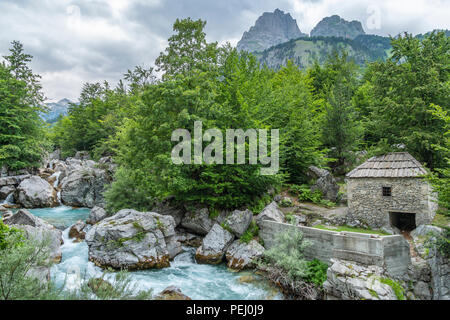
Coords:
304,51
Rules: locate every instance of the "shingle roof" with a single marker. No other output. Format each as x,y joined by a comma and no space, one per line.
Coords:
391,165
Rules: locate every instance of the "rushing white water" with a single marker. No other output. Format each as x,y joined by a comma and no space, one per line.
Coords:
56,175
9,199
198,281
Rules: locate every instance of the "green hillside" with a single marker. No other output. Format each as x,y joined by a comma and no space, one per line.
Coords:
304,51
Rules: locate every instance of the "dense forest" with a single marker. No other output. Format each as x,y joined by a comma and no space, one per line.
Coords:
327,115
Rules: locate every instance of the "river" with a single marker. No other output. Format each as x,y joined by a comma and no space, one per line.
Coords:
198,281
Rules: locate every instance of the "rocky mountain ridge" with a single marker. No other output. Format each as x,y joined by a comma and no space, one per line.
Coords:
270,29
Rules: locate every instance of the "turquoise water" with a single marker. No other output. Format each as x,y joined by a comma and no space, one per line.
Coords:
198,281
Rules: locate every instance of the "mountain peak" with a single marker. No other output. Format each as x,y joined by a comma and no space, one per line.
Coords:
270,29
335,26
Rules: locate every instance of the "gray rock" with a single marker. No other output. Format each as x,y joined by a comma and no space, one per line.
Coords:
197,221
84,187
172,293
298,220
270,29
77,231
6,191
82,155
214,245
166,209
325,183
188,239
38,230
243,255
422,291
239,221
97,214
425,230
132,240
35,192
350,281
272,213
335,26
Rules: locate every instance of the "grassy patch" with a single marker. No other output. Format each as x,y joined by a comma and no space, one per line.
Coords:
398,289
441,220
351,229
373,293
250,233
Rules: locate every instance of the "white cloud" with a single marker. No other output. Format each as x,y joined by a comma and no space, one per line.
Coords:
77,41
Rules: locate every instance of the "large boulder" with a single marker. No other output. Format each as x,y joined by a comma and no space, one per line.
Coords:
238,221
188,239
168,209
243,255
84,187
214,245
6,191
132,240
82,155
172,293
271,212
97,214
325,182
350,281
197,221
38,230
77,231
35,192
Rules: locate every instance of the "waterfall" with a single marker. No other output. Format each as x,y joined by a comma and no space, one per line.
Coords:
56,175
58,196
9,199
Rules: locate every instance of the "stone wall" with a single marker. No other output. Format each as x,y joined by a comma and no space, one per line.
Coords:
368,205
389,252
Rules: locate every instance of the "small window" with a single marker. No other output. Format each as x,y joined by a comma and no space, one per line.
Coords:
387,192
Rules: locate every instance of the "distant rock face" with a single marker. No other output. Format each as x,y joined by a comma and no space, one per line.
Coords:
56,109
270,29
335,26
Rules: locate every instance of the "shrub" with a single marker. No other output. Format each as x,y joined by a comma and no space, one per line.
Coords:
288,253
316,272
250,233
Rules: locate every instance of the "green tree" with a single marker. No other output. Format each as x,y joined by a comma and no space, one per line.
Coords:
22,137
402,89
188,50
334,85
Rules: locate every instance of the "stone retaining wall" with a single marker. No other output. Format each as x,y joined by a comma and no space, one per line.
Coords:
390,252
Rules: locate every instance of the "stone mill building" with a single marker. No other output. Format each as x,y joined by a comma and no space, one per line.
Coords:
389,192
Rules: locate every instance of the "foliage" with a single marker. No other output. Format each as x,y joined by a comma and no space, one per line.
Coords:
19,260
443,243
250,233
110,286
7,233
304,193
399,92
441,179
22,138
288,253
316,272
335,84
398,289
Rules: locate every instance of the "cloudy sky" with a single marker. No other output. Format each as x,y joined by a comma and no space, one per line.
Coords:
77,41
